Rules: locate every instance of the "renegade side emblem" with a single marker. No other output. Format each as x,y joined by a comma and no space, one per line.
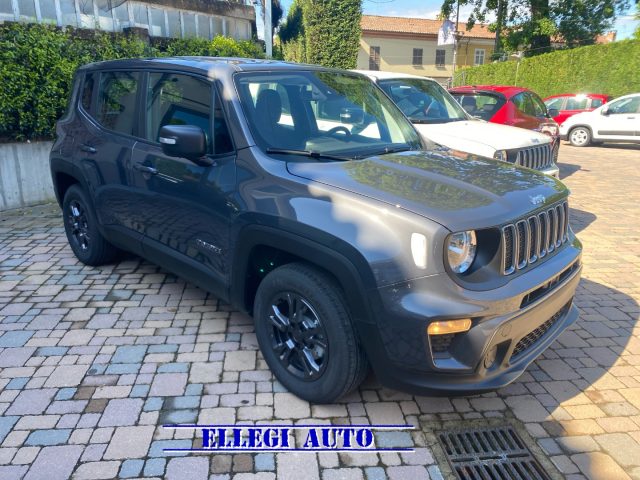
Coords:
208,247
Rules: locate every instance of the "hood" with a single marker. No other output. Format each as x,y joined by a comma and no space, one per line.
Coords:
458,191
480,138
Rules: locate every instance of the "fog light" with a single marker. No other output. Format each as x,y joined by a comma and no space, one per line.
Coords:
449,326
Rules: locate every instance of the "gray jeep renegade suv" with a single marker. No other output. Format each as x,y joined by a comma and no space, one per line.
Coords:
302,194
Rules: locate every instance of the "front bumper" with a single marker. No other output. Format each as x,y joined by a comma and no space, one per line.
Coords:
504,339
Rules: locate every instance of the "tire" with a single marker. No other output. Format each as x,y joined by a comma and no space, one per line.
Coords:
335,362
580,136
81,227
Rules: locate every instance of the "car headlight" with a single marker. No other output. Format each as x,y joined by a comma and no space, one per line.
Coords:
461,250
500,155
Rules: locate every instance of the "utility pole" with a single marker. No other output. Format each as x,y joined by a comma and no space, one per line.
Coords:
455,40
268,31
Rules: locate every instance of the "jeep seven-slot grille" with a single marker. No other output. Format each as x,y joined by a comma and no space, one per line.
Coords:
537,157
532,238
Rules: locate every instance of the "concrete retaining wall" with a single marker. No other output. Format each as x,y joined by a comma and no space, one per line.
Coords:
25,177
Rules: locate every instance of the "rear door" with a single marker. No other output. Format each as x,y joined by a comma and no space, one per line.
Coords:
621,122
104,143
184,208
575,104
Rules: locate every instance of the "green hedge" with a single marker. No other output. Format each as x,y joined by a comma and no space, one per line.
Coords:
37,63
612,69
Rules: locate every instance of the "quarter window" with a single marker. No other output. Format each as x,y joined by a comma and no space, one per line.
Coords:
87,92
116,107
596,102
417,57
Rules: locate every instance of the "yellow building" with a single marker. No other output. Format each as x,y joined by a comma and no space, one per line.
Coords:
410,45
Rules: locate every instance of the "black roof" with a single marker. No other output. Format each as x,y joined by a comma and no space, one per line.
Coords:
202,64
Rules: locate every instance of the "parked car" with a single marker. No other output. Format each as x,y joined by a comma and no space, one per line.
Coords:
568,104
440,119
509,105
616,121
304,196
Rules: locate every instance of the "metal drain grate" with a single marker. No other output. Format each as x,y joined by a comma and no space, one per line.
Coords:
490,454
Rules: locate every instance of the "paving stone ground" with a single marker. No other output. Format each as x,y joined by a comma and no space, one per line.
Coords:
94,360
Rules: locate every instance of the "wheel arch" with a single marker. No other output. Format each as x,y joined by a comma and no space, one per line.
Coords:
267,247
63,176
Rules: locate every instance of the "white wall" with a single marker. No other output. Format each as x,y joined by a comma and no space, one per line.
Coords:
25,177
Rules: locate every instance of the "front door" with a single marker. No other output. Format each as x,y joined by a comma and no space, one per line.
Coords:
185,207
621,122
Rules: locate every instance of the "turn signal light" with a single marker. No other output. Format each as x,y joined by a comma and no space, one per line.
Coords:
449,326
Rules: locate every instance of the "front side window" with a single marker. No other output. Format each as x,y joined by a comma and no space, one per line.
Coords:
522,101
596,102
423,101
116,106
625,105
539,109
374,58
417,57
479,57
174,99
323,112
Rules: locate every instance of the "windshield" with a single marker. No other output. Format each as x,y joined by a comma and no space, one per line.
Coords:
330,113
481,105
423,101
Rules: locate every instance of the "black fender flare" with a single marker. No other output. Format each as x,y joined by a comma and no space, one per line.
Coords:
340,259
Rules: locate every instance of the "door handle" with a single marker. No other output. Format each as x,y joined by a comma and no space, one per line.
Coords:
145,169
87,148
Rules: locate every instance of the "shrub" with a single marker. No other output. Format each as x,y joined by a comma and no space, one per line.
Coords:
37,63
611,68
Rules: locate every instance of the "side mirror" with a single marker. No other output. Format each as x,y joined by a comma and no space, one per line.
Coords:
553,112
187,141
604,111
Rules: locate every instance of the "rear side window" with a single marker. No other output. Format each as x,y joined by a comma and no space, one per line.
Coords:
87,92
577,103
116,106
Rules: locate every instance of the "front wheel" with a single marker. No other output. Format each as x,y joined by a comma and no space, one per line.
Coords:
580,137
305,334
81,227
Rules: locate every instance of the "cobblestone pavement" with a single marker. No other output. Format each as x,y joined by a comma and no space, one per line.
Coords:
94,360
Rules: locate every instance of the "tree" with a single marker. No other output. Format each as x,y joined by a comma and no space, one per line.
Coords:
325,32
532,24
637,17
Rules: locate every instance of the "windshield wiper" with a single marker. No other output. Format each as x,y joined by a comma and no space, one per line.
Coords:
307,153
436,120
387,150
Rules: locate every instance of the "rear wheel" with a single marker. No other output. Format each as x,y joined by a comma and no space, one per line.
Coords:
580,137
305,334
81,227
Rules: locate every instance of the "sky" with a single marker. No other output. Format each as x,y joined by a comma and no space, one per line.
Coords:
625,24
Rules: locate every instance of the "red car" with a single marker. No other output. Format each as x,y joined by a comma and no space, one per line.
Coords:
509,105
569,104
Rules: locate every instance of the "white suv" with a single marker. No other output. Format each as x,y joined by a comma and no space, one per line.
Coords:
616,121
440,118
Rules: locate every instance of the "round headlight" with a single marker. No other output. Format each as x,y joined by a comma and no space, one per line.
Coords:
500,155
461,250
